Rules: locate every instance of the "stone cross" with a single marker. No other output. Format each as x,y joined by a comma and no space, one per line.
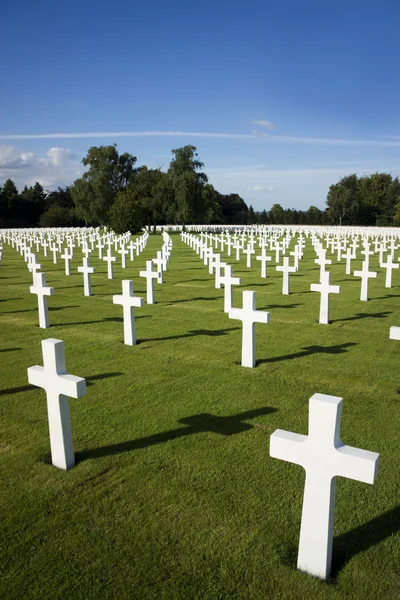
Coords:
109,260
218,266
286,269
365,274
53,378
367,253
264,258
249,317
67,257
228,281
248,252
389,266
123,252
150,276
349,257
322,261
325,289
34,266
100,247
54,249
40,289
324,457
395,333
87,270
128,301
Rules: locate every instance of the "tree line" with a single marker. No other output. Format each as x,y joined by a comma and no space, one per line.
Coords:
114,192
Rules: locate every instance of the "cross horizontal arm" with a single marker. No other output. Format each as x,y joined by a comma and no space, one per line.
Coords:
287,446
354,463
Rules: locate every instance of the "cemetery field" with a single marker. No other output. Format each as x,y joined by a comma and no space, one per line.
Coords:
174,494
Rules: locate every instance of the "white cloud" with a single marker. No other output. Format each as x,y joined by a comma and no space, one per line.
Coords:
267,124
261,188
57,167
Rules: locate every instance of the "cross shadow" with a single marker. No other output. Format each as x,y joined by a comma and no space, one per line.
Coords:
101,376
62,307
17,390
11,312
280,306
308,351
205,280
77,323
200,423
384,297
190,300
380,315
365,536
193,333
121,319
10,299
10,349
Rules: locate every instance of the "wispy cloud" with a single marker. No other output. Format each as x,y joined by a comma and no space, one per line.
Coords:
267,124
259,137
261,188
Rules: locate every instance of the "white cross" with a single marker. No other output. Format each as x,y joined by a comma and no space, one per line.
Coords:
58,385
54,249
286,269
128,301
297,253
248,252
349,257
389,266
365,275
34,267
322,261
324,457
40,289
395,333
367,253
87,270
131,248
150,276
123,252
100,247
67,257
228,281
249,317
109,260
264,258
159,263
45,246
218,265
325,289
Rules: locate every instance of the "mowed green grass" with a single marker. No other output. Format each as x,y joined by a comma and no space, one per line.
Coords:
174,494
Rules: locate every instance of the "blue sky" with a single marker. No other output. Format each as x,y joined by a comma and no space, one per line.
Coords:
281,99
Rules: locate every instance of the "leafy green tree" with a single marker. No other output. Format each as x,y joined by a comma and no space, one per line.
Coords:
57,216
234,209
127,212
108,173
9,198
211,204
343,201
276,215
33,201
187,182
60,197
251,215
380,193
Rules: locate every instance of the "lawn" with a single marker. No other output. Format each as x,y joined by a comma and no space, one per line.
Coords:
174,494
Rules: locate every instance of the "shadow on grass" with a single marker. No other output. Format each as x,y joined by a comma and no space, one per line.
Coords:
17,390
121,319
269,306
193,333
363,537
384,297
9,349
10,299
200,298
200,423
62,307
101,376
380,315
308,351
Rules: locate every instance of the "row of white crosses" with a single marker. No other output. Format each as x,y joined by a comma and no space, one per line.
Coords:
42,291
321,453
